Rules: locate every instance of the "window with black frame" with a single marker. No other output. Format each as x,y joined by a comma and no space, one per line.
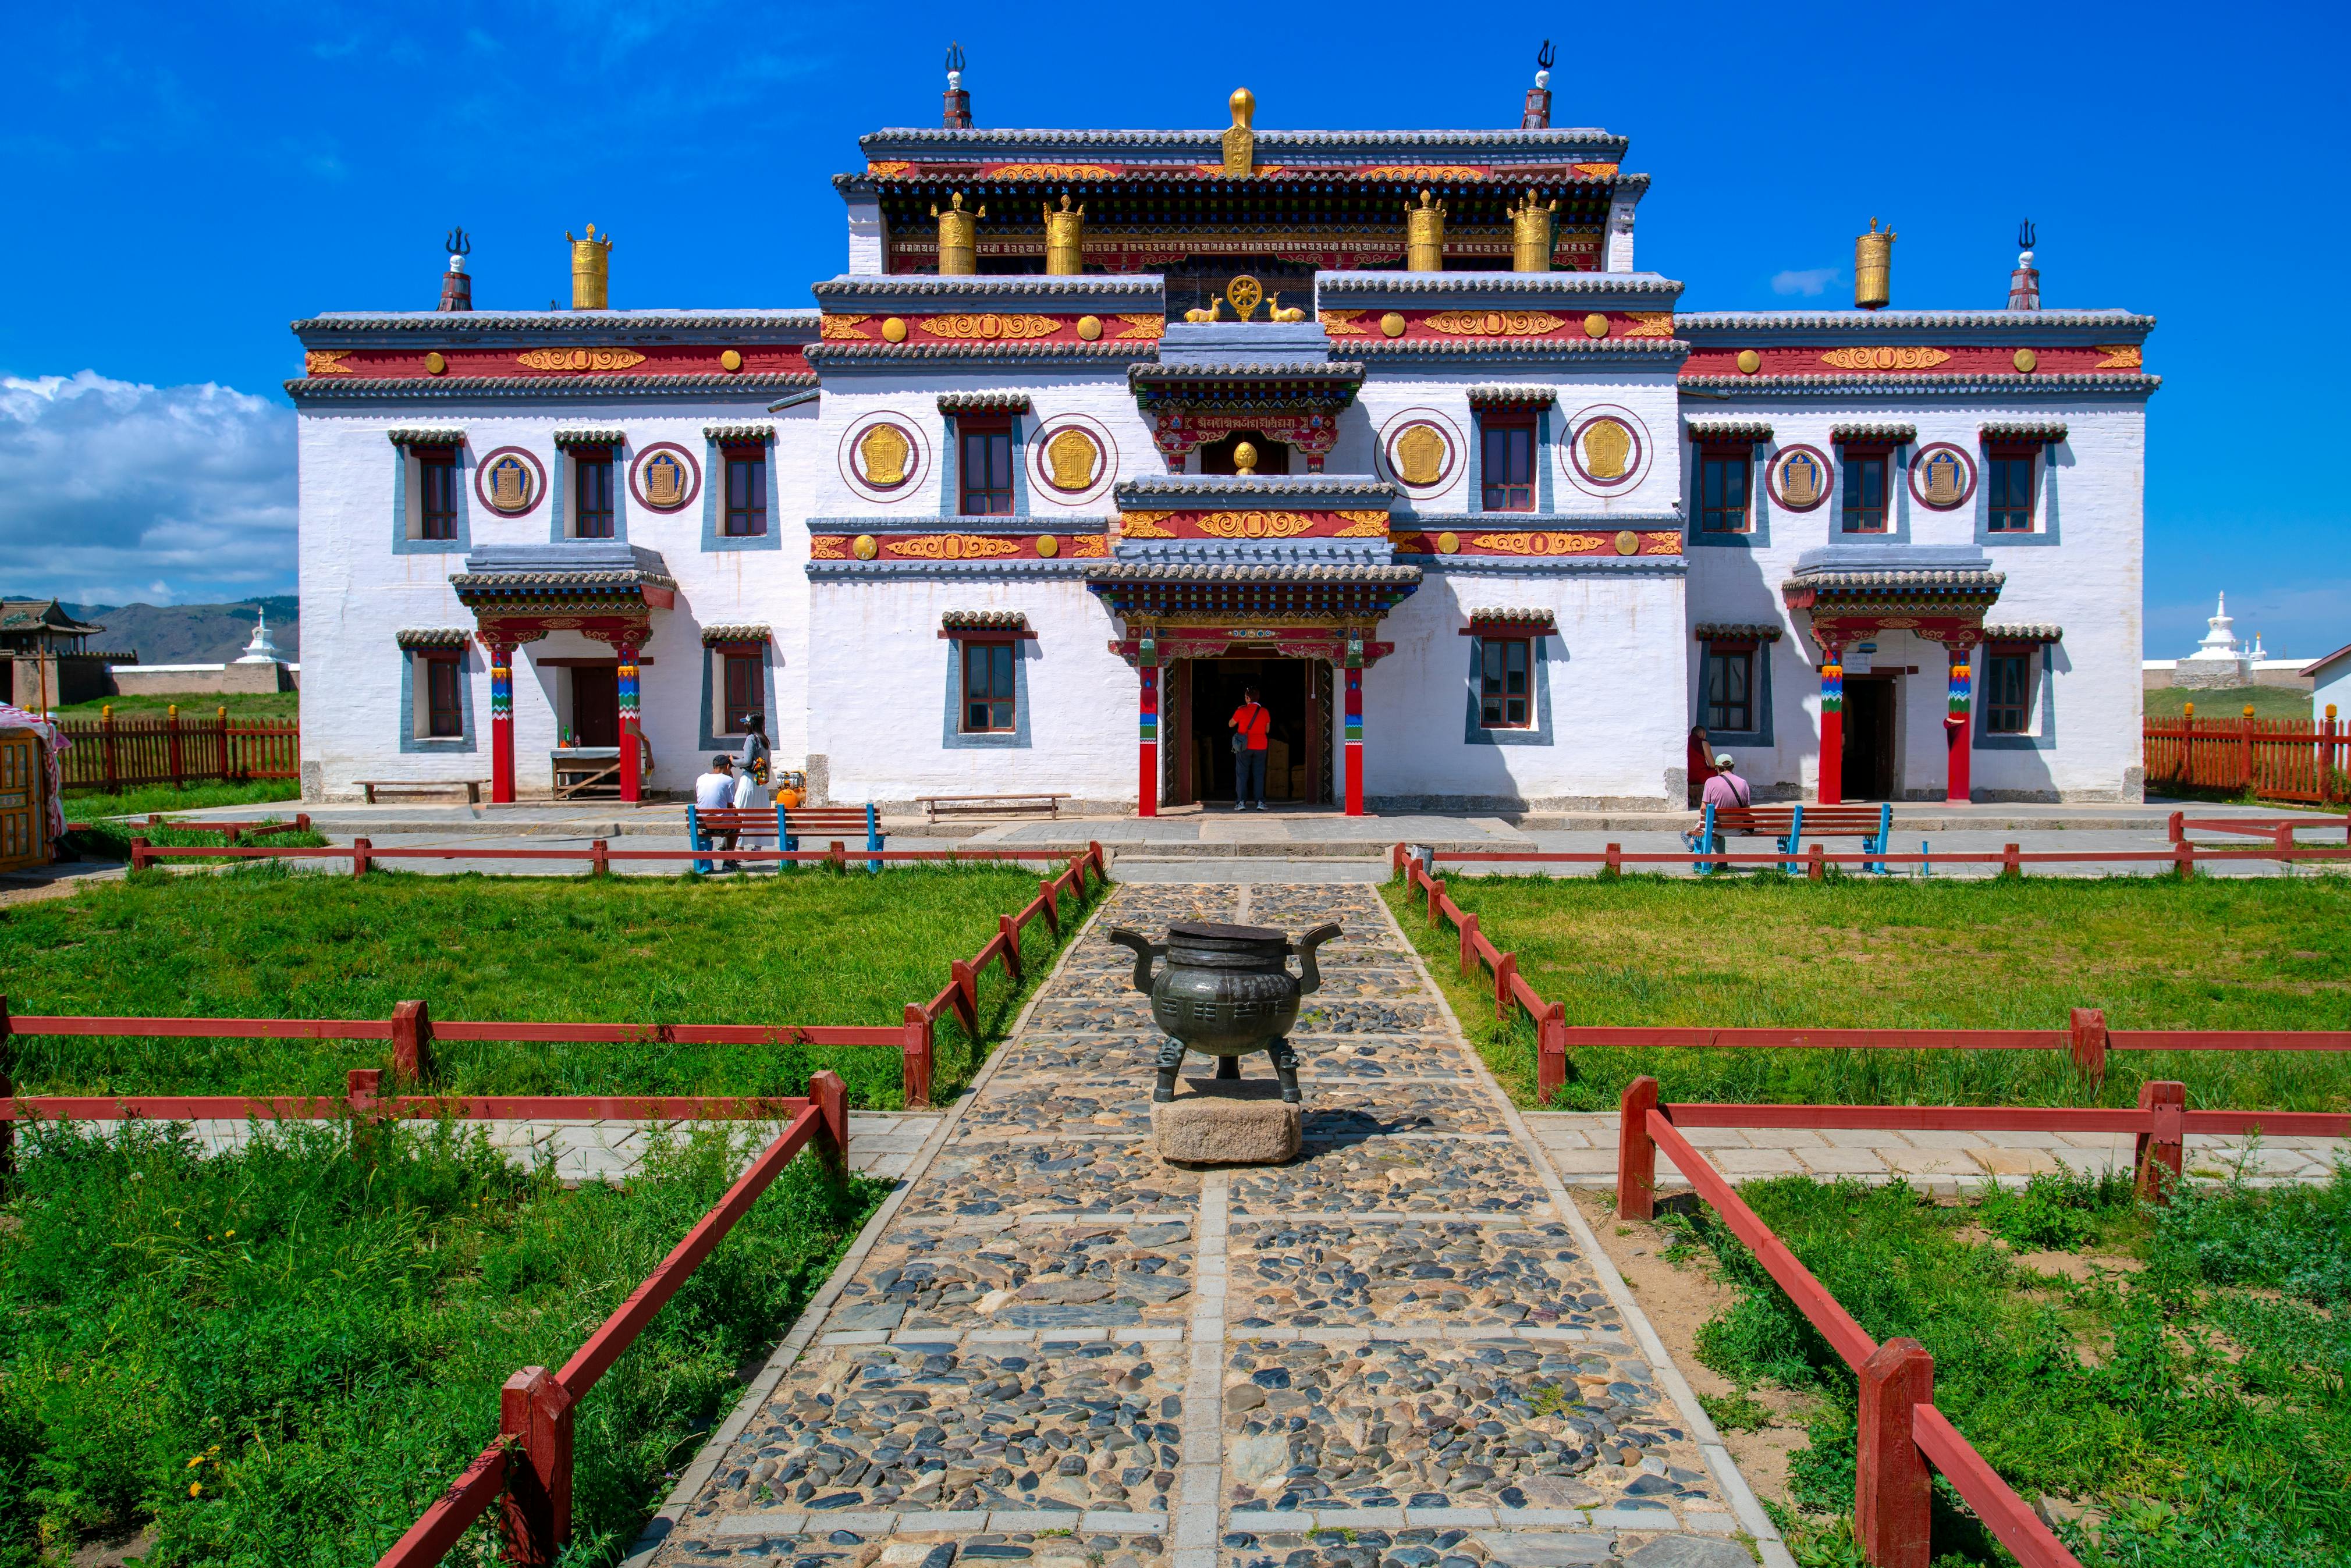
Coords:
746,492
2008,694
985,459
437,473
987,701
444,697
1505,695
1726,488
2008,489
1507,462
1729,688
592,483
1865,492
746,689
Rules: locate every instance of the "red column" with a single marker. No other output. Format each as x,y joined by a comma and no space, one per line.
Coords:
1957,727
1831,793
632,762
1354,708
1147,783
502,761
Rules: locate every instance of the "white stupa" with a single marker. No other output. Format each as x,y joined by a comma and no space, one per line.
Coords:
2220,660
261,650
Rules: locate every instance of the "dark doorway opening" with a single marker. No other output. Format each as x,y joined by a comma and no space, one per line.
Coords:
595,705
1869,737
1273,456
1211,689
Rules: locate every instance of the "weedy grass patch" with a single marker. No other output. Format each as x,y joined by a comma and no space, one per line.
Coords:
809,946
283,1354
2251,953
91,806
2184,1390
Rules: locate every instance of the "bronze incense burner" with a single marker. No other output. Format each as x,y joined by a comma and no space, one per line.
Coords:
1226,991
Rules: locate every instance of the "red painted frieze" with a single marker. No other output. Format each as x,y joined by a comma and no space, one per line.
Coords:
964,327
1909,359
957,545
557,363
1254,525
1473,326
1539,544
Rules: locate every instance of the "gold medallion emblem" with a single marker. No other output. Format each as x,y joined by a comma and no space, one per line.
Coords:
510,484
1047,545
1391,325
2026,361
1448,544
1750,361
1072,459
1943,480
1089,329
863,548
435,364
664,480
1420,455
893,331
882,456
1627,541
1596,325
1607,446
731,360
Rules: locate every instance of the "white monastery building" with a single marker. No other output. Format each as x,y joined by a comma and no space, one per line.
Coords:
1097,427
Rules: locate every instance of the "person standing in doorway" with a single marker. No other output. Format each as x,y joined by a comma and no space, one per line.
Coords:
1250,724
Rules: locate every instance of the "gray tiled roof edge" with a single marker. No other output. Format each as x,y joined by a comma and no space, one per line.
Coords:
819,570
1587,144
342,389
1880,322
1351,283
2046,385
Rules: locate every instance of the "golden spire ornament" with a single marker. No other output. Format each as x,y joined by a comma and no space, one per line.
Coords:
1240,142
591,271
1065,240
958,238
1532,235
1873,268
1424,235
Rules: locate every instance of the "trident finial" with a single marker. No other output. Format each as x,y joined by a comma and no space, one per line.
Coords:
2025,235
1544,57
955,59
458,243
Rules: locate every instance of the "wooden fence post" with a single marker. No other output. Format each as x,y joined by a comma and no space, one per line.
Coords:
1396,859
2178,827
1435,892
838,858
360,856
917,1052
2245,749
1506,969
171,731
220,739
966,995
1615,863
2089,1043
1637,1152
1051,910
600,857
411,1042
1011,934
139,861
1893,1491
535,1516
7,1091
2158,1153
105,741
1550,1054
2010,865
1469,946
1816,867
2183,860
831,1097
361,1086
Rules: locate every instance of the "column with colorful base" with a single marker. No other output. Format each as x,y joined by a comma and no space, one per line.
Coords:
502,758
631,758
1352,708
1832,792
1147,783
1957,723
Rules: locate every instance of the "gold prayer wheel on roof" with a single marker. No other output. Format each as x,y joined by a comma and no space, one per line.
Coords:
591,271
1424,235
1873,266
1532,235
958,238
1065,240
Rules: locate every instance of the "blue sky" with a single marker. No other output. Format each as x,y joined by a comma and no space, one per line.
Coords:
191,178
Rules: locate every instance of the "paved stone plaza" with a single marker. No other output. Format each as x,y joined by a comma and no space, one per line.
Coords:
1053,1350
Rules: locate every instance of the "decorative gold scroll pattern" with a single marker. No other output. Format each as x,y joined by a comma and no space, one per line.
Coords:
1493,323
1885,358
1539,544
1650,324
1050,172
1341,323
1146,525
1595,171
580,359
989,326
1142,327
840,328
1666,543
1422,171
329,363
951,546
1362,525
827,547
886,171
2119,357
1255,525
1088,545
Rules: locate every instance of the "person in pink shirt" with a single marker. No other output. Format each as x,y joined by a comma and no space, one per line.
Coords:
1725,788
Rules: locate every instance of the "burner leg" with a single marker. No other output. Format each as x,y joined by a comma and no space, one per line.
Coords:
1228,1067
1171,1060
1285,1068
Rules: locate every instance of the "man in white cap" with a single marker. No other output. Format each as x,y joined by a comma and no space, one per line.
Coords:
1725,790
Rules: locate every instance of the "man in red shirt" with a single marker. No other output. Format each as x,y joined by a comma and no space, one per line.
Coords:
1248,724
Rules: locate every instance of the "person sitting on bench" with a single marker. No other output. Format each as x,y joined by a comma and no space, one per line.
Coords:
1725,790
716,790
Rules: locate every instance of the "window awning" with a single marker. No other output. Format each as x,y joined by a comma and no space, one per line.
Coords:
2044,433
433,637
748,632
427,437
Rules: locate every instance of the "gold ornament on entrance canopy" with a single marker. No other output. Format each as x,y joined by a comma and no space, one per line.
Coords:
1245,457
1245,292
881,456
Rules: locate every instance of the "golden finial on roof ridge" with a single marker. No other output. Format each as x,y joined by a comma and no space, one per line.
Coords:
1240,142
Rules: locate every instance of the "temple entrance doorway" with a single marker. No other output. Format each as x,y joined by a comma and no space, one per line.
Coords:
1869,736
596,704
1297,697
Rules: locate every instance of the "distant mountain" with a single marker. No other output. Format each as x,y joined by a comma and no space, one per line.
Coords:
192,633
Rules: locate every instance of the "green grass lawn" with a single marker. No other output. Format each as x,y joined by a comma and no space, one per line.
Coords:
193,706
2228,702
1772,952
91,806
2181,1376
807,947
282,1354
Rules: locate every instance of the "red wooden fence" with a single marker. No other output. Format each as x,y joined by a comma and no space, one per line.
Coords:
2275,758
112,754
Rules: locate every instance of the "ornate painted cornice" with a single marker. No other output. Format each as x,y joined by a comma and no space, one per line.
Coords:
329,389
923,144
903,523
1736,631
1196,491
1914,386
822,354
984,403
1659,351
1710,325
2048,432
1141,291
823,570
426,437
481,328
734,432
1547,566
1872,435
1511,288
1746,431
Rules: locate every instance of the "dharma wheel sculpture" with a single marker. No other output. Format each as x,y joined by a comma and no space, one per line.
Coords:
1226,991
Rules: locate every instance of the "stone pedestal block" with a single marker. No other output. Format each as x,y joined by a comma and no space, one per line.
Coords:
1227,1122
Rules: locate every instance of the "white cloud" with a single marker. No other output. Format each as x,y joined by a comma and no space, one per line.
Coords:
111,491
1809,282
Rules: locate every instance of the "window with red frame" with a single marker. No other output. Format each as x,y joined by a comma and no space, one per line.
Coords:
591,468
1507,461
1726,488
987,700
444,696
1505,694
1864,490
2008,690
746,492
984,453
2008,475
437,472
745,686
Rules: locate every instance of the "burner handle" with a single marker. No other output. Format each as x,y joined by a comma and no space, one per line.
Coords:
1309,977
1145,950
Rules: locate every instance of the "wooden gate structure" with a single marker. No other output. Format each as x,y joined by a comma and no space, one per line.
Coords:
24,809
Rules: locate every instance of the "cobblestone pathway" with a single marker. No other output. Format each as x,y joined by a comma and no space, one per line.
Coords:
1403,1351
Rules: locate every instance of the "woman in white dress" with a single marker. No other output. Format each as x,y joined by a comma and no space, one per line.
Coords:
751,793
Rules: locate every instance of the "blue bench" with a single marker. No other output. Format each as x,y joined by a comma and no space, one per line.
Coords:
788,825
1788,826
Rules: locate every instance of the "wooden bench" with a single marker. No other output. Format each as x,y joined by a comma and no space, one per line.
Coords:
790,825
472,786
939,806
1791,825
704,824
